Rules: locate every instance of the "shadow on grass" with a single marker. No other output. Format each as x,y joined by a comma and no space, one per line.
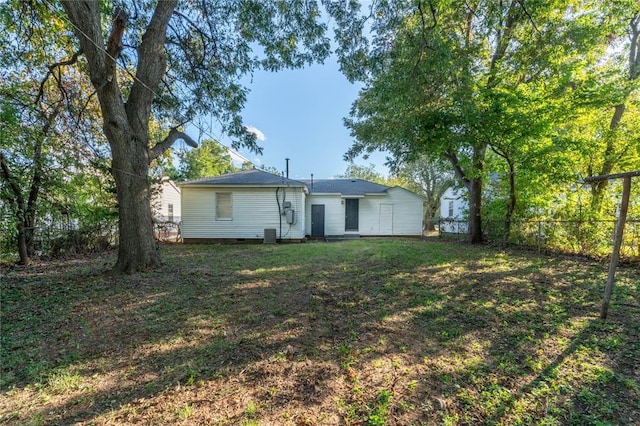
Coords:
262,332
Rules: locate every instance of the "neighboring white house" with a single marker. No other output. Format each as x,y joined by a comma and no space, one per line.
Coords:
242,205
357,207
165,201
453,211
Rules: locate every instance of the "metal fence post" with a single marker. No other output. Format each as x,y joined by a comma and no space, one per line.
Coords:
539,236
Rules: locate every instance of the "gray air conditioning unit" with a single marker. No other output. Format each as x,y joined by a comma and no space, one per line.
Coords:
269,236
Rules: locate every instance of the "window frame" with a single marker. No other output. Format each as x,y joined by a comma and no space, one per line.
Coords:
218,216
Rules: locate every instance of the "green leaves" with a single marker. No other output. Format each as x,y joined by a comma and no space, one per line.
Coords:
534,81
209,159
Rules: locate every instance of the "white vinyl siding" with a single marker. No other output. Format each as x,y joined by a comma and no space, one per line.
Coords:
164,195
386,219
224,206
453,206
408,212
254,209
333,213
396,212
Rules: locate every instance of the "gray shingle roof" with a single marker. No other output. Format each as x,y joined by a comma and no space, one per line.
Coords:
344,187
254,177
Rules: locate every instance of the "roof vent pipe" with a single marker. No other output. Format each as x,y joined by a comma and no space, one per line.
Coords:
311,180
287,169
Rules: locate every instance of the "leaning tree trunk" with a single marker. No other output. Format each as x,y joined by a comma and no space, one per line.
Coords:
612,154
609,162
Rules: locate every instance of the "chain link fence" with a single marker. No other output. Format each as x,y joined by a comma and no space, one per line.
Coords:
70,237
591,238
168,231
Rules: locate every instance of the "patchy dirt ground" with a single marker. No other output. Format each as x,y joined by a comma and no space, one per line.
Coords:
368,332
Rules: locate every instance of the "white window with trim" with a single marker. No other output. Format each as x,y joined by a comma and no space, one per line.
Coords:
451,208
224,206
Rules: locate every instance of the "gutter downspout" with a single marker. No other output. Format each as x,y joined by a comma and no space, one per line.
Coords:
279,214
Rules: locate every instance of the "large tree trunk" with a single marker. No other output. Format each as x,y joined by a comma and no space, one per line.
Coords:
475,206
511,206
23,248
23,211
130,168
29,234
472,180
430,213
126,124
475,195
137,250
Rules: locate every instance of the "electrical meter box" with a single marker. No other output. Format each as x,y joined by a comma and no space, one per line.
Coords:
290,216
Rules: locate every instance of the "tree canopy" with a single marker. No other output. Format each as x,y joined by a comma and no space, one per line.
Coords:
49,134
209,159
472,81
169,61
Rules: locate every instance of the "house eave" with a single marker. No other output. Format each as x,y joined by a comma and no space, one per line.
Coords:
238,185
338,194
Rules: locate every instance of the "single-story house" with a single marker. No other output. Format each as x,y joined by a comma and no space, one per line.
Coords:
243,205
453,211
358,207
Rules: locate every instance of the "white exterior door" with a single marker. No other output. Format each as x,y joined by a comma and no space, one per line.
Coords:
386,219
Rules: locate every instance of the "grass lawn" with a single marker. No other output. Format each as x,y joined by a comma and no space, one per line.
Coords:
368,332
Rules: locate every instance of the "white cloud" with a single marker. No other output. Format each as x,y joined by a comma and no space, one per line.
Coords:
259,135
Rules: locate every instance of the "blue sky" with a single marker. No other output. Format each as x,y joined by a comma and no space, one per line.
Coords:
300,114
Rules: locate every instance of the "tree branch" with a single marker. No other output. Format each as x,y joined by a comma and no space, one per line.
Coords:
85,19
5,173
83,109
114,44
38,161
617,116
53,67
634,52
502,42
526,12
426,28
151,67
469,22
165,144
499,152
457,168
